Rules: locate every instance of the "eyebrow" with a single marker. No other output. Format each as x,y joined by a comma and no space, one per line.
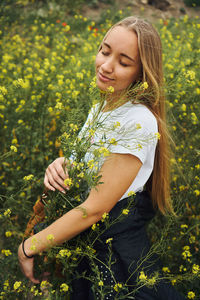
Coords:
122,54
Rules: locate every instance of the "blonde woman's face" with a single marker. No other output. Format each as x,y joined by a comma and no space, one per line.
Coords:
118,62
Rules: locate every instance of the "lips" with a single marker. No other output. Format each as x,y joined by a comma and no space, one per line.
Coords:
104,78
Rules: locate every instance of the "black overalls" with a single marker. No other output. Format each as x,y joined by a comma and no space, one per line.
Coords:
130,246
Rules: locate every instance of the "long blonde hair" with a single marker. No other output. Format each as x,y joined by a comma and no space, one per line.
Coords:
150,50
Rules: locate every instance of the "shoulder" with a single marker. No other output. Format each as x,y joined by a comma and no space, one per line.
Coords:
140,115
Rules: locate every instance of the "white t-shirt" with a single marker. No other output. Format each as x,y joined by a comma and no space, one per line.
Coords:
128,129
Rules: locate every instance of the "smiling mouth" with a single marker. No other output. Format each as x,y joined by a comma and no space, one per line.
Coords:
104,78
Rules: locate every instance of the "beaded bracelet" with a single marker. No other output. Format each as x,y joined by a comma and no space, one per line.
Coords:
28,256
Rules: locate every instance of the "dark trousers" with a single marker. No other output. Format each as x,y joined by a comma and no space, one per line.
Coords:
129,256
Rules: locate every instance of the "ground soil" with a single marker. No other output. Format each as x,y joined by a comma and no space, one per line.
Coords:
175,9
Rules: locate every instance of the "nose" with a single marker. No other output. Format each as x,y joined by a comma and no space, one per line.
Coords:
108,65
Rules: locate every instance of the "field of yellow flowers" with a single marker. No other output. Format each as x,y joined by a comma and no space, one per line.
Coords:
46,67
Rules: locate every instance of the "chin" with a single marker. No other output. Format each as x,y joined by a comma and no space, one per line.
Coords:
102,87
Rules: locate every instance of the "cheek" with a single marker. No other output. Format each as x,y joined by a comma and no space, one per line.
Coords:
133,76
128,77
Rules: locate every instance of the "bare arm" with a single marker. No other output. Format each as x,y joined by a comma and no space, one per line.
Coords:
118,172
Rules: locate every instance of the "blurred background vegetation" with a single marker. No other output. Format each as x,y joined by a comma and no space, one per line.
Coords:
46,65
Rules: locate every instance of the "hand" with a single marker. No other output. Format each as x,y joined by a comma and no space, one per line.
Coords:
26,265
55,175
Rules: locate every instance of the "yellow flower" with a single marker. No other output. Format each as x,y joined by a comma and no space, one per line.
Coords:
116,124
184,226
64,287
65,135
3,90
16,285
157,134
173,281
186,254
104,151
117,286
194,118
60,82
74,127
195,269
110,89
68,182
43,284
59,105
67,28
139,146
91,163
64,252
105,215
13,148
100,283
6,285
22,83
50,237
192,239
131,193
166,269
14,141
50,109
151,281
80,175
7,212
34,290
8,233
91,132
109,240
33,247
145,85
190,75
113,141
191,295
186,248
125,211
28,177
79,75
183,107
93,83
198,91
94,226
6,252
138,126
142,276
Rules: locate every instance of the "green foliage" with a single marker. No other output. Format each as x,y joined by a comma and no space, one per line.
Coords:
192,3
45,72
28,10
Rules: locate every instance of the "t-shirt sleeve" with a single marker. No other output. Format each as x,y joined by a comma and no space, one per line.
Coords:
136,138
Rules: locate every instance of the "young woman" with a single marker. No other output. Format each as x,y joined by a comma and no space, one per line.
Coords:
129,54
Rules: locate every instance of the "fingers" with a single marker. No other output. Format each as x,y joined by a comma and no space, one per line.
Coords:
53,182
29,273
26,265
55,176
27,269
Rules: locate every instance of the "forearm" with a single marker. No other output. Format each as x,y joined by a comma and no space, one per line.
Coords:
117,174
69,225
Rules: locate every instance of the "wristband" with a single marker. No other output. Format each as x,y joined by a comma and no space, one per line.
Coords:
28,256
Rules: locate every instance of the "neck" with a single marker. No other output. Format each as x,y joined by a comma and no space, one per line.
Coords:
114,100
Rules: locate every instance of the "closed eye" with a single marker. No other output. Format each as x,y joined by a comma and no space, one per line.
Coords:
123,64
105,53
